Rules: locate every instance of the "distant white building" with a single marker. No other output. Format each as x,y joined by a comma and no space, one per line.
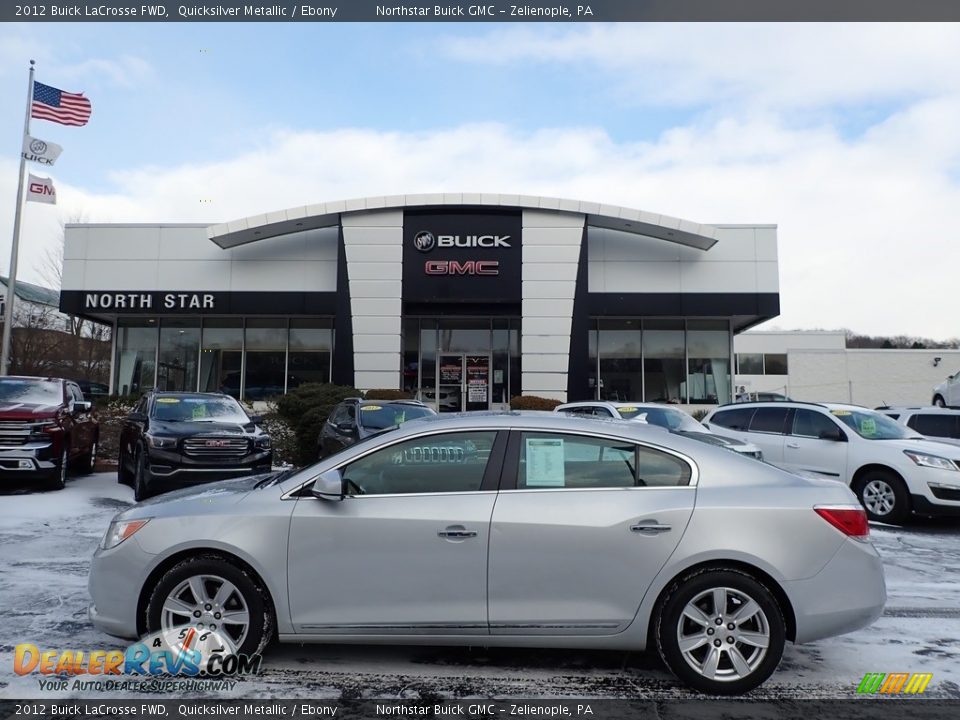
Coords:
817,366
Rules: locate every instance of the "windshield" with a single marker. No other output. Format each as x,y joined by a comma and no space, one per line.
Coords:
198,408
377,416
664,417
872,425
35,392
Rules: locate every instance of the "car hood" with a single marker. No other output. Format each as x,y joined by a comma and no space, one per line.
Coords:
27,411
926,445
198,500
200,429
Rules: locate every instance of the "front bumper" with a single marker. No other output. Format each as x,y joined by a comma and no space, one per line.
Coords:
183,469
116,576
847,594
935,492
28,459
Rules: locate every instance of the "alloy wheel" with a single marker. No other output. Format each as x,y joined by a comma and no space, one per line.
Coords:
207,602
879,497
723,634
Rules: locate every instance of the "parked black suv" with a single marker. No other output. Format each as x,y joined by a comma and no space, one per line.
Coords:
178,439
354,419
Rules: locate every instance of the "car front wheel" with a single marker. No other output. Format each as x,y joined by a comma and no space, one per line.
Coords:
210,593
720,631
884,497
58,477
141,478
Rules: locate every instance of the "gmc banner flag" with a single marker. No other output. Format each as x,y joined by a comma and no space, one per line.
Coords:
40,189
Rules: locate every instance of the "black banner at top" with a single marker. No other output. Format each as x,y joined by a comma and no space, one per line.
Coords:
387,11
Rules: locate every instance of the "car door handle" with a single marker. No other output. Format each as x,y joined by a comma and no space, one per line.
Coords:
793,445
456,533
650,528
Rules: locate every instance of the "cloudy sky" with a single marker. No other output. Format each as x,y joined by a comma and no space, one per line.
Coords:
845,136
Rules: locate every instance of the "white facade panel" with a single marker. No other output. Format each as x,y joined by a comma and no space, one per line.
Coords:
553,236
548,289
374,270
631,277
544,363
188,243
535,308
126,242
379,362
369,343
376,325
718,277
551,253
536,383
194,275
267,275
366,253
550,271
73,276
121,275
375,306
75,243
368,380
377,288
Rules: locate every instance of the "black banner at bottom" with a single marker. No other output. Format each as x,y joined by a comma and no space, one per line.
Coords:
694,709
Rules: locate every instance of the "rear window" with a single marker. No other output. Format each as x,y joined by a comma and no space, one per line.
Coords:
734,419
770,420
935,425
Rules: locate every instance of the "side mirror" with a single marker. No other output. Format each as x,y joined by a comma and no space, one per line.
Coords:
137,417
836,435
347,427
81,406
256,419
328,486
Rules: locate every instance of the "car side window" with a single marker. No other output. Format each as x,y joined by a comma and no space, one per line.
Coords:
733,419
449,462
807,423
73,393
556,460
769,420
602,412
934,425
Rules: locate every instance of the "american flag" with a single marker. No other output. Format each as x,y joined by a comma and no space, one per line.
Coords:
59,106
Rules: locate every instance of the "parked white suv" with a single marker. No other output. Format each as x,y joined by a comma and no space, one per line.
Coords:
934,423
892,469
674,420
947,393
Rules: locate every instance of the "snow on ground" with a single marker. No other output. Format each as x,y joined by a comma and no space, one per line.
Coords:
47,538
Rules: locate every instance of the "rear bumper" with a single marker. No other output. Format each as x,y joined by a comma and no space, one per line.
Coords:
847,594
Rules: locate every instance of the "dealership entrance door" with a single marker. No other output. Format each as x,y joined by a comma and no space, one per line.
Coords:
462,364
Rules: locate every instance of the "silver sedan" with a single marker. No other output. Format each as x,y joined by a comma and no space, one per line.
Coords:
516,529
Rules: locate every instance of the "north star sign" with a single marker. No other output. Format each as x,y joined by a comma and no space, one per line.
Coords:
148,301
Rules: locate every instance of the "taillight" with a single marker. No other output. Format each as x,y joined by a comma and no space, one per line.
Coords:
850,521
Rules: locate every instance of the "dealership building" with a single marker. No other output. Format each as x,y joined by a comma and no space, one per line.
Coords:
463,299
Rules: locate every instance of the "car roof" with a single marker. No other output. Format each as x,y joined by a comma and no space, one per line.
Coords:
791,404
534,420
931,409
388,401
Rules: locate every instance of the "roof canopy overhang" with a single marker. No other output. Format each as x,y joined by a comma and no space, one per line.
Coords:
298,219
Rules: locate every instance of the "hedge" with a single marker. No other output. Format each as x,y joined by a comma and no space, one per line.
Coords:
532,402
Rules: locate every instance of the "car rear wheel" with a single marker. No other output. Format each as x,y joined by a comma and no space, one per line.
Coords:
939,401
211,593
884,497
720,631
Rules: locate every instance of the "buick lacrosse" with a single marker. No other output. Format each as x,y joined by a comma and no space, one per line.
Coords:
513,529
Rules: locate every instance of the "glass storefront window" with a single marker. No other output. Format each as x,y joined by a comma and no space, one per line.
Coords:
663,361
179,352
749,363
428,358
221,356
410,372
708,352
266,356
311,347
620,366
136,355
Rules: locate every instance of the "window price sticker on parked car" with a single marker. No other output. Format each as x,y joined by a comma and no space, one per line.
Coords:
544,458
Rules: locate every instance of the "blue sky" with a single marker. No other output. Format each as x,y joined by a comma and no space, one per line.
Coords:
846,136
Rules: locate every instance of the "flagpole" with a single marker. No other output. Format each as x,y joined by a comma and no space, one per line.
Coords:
12,279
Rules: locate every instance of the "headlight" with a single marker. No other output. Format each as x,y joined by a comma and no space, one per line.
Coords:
161,443
263,443
41,429
120,531
930,461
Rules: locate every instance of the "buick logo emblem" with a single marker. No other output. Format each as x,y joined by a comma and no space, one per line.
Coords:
38,147
424,241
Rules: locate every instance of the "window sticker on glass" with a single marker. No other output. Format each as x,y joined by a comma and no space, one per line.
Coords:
544,458
868,427
198,411
624,408
841,413
371,407
168,400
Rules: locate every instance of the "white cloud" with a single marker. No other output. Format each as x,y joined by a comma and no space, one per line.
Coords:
867,236
771,65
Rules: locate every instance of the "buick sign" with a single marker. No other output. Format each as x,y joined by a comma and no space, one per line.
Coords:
424,241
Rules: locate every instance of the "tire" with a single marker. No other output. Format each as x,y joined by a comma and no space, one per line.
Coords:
58,478
87,461
124,476
213,572
141,478
695,596
884,497
939,402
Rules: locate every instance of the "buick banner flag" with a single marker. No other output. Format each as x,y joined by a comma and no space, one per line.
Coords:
40,151
40,189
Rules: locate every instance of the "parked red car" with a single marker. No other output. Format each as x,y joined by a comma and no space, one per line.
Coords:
46,428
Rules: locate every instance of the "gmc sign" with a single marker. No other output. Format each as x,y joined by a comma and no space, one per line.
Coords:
465,267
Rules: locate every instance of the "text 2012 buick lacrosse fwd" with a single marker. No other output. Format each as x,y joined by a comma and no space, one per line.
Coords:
515,529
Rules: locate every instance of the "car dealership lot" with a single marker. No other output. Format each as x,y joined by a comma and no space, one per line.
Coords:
47,540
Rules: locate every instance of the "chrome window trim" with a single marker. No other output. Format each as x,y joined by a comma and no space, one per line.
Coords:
694,468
